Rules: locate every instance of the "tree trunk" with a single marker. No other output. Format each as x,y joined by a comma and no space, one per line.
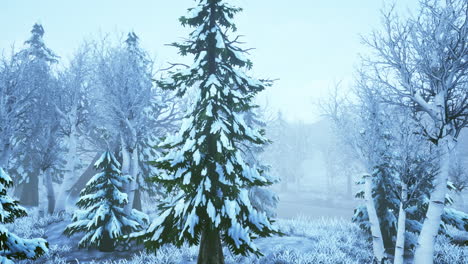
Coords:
106,244
329,190
84,178
424,253
5,156
137,202
42,194
400,239
349,185
377,241
284,184
125,160
50,192
133,185
69,178
30,192
211,251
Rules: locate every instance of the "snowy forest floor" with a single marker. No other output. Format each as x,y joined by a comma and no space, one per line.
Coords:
314,205
307,241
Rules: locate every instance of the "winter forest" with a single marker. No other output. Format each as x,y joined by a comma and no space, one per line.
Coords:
113,155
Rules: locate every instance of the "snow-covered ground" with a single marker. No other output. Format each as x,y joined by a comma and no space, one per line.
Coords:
307,241
299,204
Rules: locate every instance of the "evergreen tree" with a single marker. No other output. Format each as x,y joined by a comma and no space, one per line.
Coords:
102,216
12,246
36,49
387,201
263,199
278,132
386,205
204,163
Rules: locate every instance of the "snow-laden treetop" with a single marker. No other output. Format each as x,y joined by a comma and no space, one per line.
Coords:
37,48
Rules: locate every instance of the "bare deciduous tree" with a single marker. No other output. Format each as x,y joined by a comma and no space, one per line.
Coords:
422,63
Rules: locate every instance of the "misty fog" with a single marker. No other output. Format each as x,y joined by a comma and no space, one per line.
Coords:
234,131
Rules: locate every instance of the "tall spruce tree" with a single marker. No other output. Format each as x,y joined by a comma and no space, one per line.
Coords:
204,163
102,216
12,246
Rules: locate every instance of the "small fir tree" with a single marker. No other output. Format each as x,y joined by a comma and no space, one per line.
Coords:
204,163
12,246
102,216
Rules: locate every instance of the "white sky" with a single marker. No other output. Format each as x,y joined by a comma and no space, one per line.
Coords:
307,44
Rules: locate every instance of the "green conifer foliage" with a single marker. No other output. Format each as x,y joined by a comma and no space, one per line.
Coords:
204,163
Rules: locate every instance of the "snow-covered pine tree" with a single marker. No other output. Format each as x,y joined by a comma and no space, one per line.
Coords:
263,199
36,49
12,246
387,203
278,133
204,163
386,206
102,216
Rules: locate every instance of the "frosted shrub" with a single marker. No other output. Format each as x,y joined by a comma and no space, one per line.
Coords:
448,253
33,225
336,239
26,227
307,241
165,255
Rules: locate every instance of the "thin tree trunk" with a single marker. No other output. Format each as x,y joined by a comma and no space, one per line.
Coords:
125,166
400,239
377,241
125,160
5,157
84,177
137,202
42,194
329,183
30,192
50,192
211,251
424,253
349,184
133,185
284,184
69,177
